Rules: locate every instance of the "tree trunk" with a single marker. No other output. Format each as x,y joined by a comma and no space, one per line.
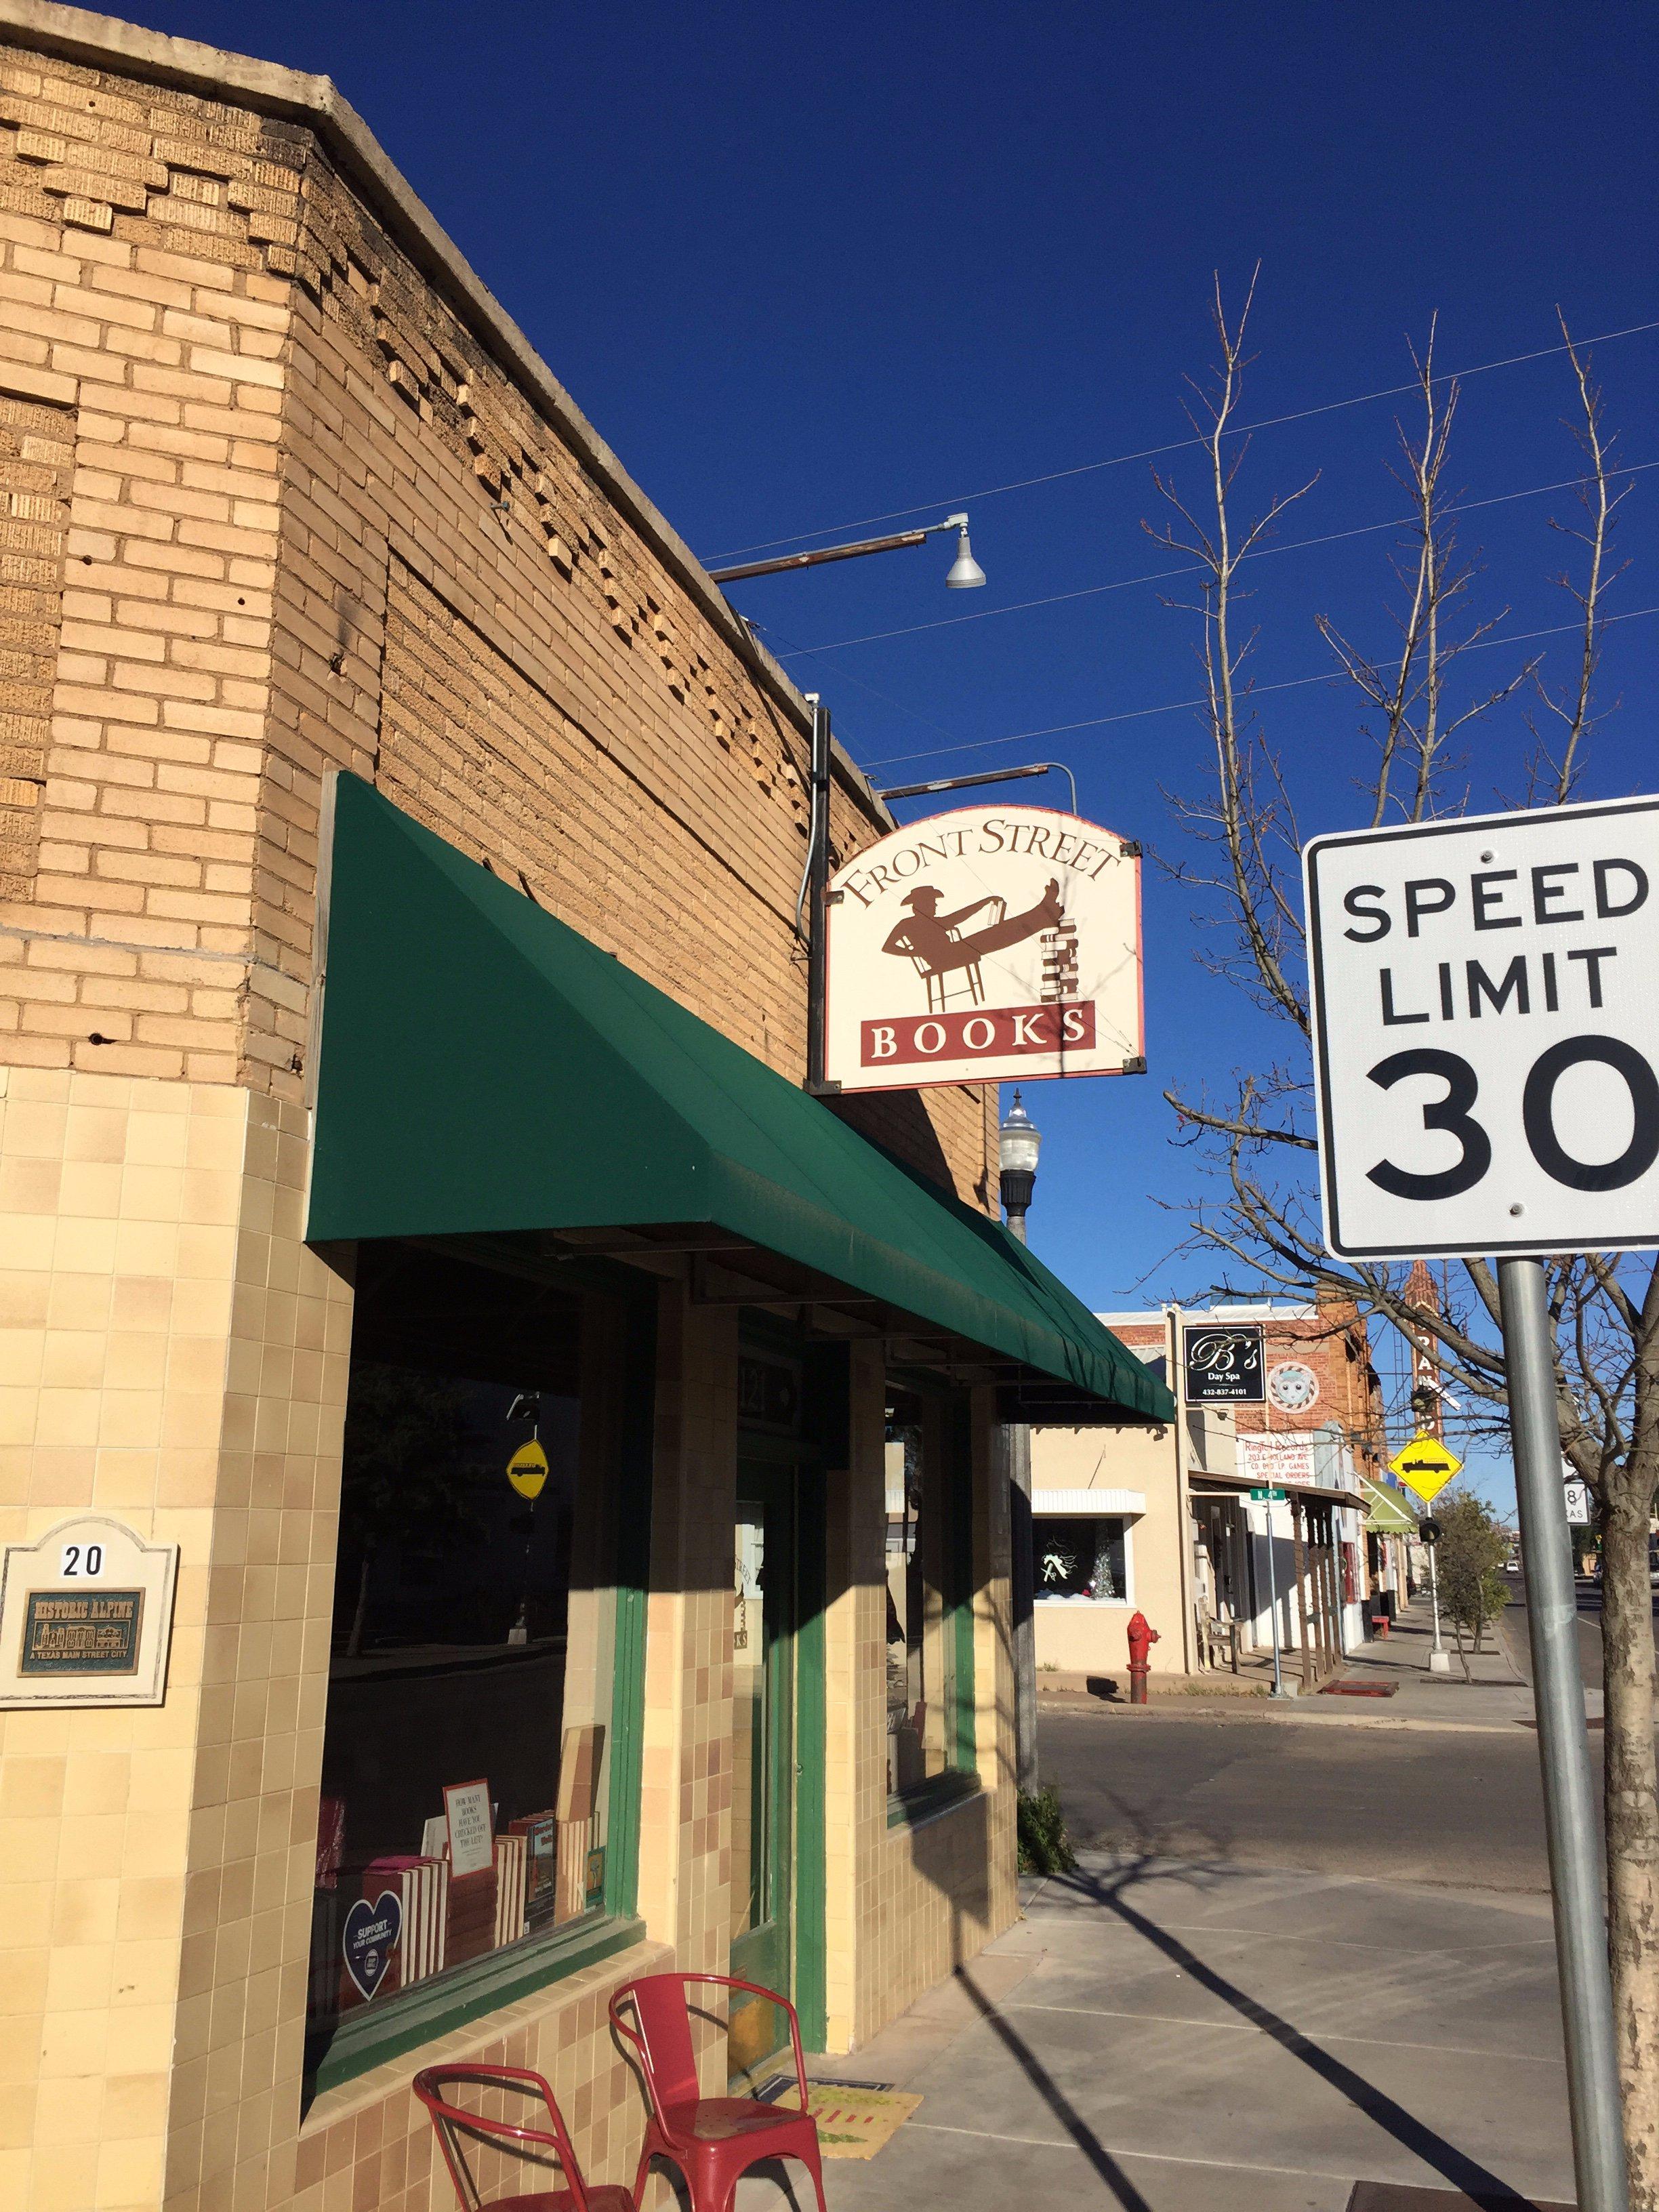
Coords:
1632,1819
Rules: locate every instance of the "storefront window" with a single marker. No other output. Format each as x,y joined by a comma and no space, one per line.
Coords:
1083,1558
469,1738
926,1520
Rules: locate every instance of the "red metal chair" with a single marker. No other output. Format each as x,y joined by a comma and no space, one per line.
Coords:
711,2140
449,2121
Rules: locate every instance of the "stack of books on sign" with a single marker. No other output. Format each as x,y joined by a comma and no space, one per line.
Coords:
422,1887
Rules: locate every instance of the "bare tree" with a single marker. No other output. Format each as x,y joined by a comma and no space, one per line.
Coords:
1259,1225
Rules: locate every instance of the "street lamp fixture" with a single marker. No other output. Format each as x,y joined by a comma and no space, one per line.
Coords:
965,574
1018,1143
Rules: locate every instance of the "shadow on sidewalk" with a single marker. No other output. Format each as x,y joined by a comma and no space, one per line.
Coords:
1458,2168
1152,1855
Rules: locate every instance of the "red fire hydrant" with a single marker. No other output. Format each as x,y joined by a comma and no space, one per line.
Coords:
1140,1639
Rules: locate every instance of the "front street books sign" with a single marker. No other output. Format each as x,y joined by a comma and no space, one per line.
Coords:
987,943
1485,1002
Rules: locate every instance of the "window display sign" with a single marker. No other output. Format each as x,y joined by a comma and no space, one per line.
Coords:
1273,1461
369,1940
85,1615
1223,1366
471,1838
989,943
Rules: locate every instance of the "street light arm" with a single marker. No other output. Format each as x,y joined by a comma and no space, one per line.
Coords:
816,559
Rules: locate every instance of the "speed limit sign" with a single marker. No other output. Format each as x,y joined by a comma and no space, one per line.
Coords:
1485,1014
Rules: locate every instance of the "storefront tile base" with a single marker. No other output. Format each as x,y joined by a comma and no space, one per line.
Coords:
370,2143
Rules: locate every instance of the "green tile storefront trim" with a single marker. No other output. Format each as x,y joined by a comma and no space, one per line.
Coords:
942,1794
483,1068
965,1504
365,2039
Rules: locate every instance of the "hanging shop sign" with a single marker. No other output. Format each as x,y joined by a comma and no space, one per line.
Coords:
1425,1466
86,1614
1223,1366
987,943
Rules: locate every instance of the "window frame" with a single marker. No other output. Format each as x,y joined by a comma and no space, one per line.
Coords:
1126,1521
368,2035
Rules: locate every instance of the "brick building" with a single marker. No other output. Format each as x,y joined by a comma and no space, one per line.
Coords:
426,1285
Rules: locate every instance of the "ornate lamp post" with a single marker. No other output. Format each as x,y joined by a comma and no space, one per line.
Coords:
1018,1147
1018,1143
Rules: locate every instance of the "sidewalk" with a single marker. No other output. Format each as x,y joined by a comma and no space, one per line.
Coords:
1165,2036
1497,1695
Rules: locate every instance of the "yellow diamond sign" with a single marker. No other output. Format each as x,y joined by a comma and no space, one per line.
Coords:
1425,1466
528,1470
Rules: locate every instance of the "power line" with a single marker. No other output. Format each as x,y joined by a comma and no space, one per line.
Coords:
1179,444
1256,691
1193,567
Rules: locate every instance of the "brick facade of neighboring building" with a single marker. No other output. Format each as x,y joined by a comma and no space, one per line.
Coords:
1333,1341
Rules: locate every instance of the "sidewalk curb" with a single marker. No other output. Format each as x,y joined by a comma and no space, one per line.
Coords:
1261,1709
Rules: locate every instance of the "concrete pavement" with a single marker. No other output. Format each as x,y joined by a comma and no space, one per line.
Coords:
1173,2036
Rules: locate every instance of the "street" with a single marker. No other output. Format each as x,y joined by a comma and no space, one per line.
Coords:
1424,1805
1590,1631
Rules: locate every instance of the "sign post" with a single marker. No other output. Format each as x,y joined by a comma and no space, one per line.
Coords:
1426,1467
1272,1497
1483,1094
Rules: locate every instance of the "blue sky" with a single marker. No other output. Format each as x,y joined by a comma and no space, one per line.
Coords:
807,267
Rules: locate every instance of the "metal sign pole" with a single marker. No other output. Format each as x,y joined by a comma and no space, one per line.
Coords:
1273,1597
1581,1941
1438,1661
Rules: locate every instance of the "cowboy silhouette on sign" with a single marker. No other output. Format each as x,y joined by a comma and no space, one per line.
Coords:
933,940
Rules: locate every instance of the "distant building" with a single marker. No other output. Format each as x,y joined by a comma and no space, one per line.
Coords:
1270,1396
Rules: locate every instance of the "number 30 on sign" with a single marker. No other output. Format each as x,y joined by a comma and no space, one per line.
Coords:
1486,1005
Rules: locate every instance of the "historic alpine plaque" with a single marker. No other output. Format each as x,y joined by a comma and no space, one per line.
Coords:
986,944
85,1615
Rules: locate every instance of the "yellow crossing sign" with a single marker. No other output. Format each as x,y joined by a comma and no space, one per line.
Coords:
1425,1466
528,1470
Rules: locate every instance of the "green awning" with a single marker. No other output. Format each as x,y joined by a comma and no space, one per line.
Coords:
485,1070
1386,1514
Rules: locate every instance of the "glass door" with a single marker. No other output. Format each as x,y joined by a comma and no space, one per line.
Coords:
762,1752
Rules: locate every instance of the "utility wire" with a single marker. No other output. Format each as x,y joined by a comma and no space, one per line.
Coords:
1195,567
1255,690
1179,444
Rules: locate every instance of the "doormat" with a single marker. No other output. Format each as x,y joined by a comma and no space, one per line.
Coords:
1359,1690
856,2123
1396,2196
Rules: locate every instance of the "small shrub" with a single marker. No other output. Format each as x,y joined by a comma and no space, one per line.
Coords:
1044,1845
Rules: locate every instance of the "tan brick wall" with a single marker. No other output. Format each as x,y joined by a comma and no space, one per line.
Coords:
135,302
906,1904
173,1355
280,432
36,449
